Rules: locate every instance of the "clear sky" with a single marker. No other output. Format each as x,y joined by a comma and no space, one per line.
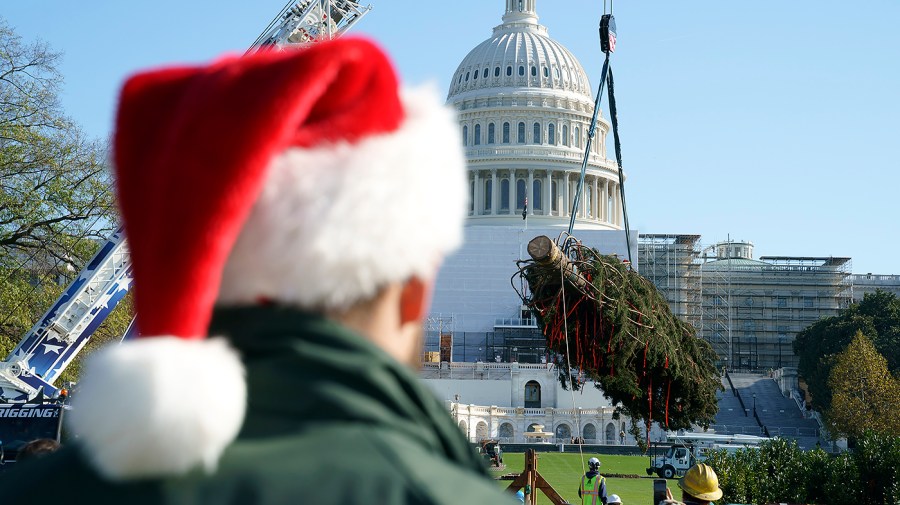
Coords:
770,121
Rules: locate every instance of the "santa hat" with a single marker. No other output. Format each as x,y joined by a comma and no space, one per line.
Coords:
304,178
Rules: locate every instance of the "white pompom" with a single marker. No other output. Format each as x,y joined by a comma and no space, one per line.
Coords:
159,406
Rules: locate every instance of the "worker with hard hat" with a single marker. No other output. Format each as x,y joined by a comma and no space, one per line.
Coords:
593,486
699,486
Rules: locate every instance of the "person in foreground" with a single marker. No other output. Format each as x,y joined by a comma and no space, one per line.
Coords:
37,449
699,486
285,236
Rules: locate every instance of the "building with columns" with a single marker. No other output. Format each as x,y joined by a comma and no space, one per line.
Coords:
507,401
525,108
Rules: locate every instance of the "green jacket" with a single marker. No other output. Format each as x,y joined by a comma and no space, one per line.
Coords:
330,419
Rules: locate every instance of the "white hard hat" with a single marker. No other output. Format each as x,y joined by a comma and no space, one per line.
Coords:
613,498
594,463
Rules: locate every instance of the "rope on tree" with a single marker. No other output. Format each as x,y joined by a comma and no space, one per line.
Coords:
621,334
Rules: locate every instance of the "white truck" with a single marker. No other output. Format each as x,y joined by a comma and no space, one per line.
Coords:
691,448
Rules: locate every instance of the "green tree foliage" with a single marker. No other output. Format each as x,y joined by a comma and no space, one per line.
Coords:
56,199
865,396
614,325
779,472
876,316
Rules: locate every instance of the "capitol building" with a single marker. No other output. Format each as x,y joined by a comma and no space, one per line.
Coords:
524,104
525,109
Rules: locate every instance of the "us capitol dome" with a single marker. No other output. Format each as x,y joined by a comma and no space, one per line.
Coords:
525,106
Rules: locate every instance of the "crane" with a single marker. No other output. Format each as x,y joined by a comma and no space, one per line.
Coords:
62,332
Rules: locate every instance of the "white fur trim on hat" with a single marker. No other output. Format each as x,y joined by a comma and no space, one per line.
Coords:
335,223
159,406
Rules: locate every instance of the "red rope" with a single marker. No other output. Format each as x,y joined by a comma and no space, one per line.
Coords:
646,348
668,390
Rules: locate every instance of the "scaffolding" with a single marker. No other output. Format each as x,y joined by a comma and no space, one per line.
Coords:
754,309
439,329
715,308
750,311
672,264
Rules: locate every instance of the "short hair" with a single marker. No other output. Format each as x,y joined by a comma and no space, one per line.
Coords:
37,448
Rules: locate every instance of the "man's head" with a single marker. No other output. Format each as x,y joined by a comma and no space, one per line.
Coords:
302,179
36,449
613,499
594,465
700,484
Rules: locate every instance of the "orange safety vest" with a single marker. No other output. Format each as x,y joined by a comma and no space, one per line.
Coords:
590,489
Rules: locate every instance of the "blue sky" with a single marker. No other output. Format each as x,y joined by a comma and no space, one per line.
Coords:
768,121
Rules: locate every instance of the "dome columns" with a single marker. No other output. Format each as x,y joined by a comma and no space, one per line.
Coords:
520,11
498,192
548,195
495,192
529,192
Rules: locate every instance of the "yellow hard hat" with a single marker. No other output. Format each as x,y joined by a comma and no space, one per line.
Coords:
701,482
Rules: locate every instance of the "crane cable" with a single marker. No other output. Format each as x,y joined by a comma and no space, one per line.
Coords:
562,280
615,128
606,74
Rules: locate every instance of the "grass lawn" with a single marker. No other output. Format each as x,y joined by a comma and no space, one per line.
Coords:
563,471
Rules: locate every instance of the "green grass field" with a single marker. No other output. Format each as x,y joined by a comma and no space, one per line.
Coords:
563,472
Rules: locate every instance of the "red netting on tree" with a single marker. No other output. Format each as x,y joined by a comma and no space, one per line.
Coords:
607,320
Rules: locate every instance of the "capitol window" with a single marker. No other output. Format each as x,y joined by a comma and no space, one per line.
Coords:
467,76
506,133
504,194
521,70
465,135
551,134
488,194
556,72
565,135
471,197
484,75
537,195
509,70
520,194
477,140
496,71
490,133
521,133
533,71
476,75
537,133
577,137
546,72
532,395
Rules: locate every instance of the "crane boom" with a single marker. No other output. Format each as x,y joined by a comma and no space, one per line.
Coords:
58,336
310,20
54,341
